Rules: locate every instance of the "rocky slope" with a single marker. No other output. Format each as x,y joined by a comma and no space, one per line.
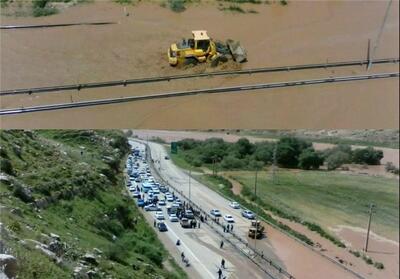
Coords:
64,211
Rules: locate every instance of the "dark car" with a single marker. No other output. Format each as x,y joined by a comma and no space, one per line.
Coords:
189,214
140,203
162,227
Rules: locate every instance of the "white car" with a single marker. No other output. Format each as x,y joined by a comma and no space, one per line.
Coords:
155,190
173,218
234,205
215,213
159,215
170,198
229,219
162,203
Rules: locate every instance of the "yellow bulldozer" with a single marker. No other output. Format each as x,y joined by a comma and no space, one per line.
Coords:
256,230
201,48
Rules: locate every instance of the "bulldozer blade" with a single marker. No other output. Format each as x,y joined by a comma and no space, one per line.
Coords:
238,52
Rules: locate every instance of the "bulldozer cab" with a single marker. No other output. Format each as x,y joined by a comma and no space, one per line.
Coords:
255,224
201,40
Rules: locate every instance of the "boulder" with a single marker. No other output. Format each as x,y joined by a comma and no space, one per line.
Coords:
55,236
8,264
57,247
90,258
97,251
16,211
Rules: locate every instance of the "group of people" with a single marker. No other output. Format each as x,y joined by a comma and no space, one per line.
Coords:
219,272
228,228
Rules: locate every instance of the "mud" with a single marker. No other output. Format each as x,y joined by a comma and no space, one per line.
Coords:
136,47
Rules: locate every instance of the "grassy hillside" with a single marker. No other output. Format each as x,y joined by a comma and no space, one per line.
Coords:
70,183
330,198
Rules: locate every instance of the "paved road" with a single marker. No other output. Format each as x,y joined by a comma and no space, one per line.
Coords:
284,251
201,247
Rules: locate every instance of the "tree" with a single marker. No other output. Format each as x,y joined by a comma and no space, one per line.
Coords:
243,147
337,159
289,150
310,159
368,156
264,152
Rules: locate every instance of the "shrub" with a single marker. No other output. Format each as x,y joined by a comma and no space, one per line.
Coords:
379,265
368,156
6,166
337,159
310,159
118,253
390,167
177,5
289,150
355,253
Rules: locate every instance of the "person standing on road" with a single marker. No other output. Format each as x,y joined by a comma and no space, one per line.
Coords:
198,225
155,223
223,263
219,273
221,245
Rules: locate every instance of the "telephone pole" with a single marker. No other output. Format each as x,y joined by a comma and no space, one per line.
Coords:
379,35
371,208
255,194
274,164
190,187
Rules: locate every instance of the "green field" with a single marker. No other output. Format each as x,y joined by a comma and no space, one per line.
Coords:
330,199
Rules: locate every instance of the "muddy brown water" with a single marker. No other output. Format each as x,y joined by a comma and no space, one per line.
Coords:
302,32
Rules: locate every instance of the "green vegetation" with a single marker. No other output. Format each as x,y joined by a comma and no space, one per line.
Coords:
243,1
234,8
224,187
40,8
374,138
70,183
177,5
390,167
329,199
291,152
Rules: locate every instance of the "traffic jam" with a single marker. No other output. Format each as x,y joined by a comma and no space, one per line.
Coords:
154,196
167,209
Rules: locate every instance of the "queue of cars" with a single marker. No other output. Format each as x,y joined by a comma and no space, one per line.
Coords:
153,196
147,191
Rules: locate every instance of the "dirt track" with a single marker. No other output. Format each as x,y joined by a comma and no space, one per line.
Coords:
328,31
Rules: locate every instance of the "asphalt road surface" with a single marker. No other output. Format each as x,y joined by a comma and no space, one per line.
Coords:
201,248
297,259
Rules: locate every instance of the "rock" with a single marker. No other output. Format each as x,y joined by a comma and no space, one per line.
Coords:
2,275
97,251
80,273
92,274
114,237
8,264
4,178
16,211
90,258
57,247
41,203
55,236
43,248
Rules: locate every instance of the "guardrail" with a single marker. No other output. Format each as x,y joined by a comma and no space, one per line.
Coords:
54,25
188,76
232,90
212,223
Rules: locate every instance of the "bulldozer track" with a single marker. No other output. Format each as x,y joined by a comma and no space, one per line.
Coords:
82,86
232,90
